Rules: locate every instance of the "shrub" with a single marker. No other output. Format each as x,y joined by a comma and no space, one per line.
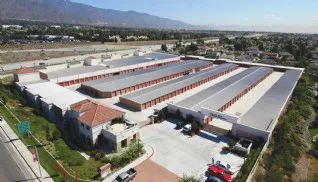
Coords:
99,155
231,142
258,142
195,127
52,133
126,157
72,158
186,178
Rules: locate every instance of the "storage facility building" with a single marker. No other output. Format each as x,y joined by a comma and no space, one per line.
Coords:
111,87
78,75
261,119
51,99
220,96
149,97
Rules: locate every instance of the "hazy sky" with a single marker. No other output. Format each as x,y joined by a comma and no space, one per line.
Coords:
222,12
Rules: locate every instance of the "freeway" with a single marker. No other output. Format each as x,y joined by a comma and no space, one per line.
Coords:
11,167
13,66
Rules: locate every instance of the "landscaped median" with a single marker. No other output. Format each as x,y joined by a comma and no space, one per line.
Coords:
52,149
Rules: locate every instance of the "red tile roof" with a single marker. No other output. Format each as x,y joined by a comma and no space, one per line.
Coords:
93,113
24,70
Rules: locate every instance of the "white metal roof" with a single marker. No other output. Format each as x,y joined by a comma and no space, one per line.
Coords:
155,56
52,93
112,84
148,94
266,111
219,94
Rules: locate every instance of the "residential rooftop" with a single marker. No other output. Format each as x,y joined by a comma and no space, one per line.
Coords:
93,113
25,70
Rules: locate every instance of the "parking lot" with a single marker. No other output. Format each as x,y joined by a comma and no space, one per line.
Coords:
182,154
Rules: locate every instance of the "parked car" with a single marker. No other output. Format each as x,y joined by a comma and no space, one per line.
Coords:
217,171
126,176
187,128
227,167
213,179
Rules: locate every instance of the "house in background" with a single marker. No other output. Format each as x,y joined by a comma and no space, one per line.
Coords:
96,125
253,51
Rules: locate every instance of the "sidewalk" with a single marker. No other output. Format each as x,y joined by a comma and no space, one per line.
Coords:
21,149
147,155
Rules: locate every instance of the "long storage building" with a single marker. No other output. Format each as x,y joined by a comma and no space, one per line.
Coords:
118,85
78,75
220,96
261,119
151,96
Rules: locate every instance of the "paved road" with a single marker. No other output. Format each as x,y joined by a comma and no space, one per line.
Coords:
11,167
64,59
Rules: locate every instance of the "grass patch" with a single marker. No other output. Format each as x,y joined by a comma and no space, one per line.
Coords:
315,178
313,132
47,162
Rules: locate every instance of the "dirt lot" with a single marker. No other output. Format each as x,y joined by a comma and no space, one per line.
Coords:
150,171
12,57
74,44
45,45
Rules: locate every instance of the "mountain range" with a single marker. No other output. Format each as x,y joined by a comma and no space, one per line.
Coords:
66,11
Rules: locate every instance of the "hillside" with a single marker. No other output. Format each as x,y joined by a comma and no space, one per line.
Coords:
65,11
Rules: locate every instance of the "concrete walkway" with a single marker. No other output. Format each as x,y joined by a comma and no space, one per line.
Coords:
23,154
147,155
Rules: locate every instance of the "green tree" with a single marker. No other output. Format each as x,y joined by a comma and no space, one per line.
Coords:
200,41
231,142
192,47
238,46
164,47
